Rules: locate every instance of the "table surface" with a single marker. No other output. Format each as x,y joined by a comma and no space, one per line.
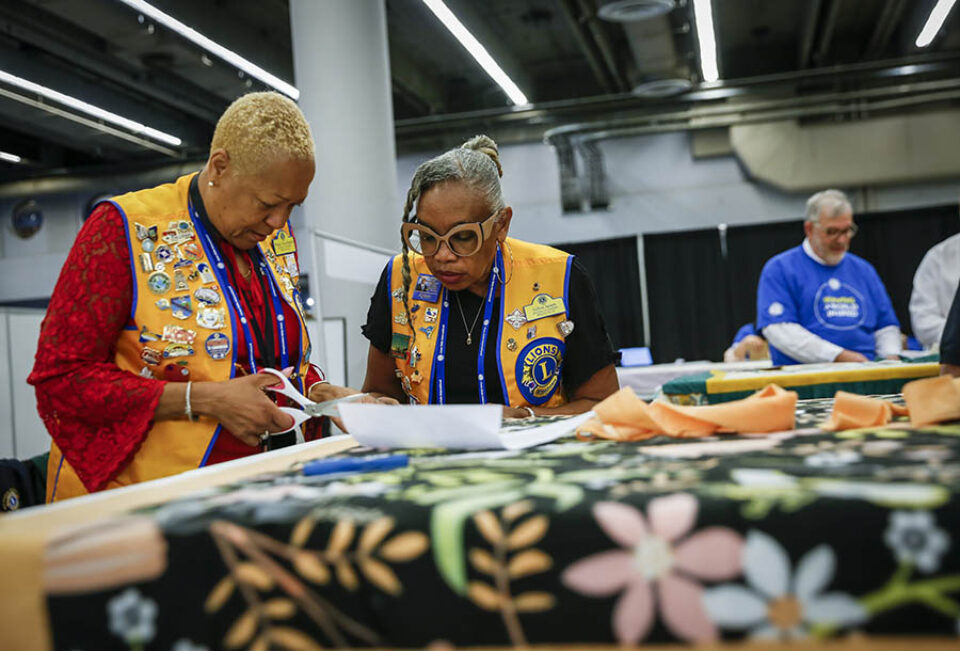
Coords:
810,381
646,380
787,535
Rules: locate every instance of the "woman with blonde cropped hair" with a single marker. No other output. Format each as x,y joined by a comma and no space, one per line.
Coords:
170,301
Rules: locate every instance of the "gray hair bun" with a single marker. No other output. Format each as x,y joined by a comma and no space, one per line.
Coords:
485,145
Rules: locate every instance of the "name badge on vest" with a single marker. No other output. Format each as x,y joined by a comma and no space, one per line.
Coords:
543,305
282,245
427,288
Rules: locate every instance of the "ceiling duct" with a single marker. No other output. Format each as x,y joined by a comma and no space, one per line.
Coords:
659,88
902,149
596,177
657,70
571,195
625,11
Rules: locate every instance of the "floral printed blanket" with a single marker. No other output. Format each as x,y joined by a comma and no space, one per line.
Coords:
807,534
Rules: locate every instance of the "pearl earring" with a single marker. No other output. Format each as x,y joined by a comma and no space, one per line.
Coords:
210,183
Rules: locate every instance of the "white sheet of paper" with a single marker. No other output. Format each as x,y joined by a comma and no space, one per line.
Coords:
527,437
455,427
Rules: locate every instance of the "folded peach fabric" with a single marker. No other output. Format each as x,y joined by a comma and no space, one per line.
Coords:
625,417
933,400
851,411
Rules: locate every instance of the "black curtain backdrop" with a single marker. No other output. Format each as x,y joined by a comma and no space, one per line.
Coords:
614,268
699,297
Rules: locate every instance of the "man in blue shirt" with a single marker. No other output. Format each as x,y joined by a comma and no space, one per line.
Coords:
819,303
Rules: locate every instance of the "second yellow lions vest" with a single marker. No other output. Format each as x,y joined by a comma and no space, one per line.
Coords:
533,325
182,326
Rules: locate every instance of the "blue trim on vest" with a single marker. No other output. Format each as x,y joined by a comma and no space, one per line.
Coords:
566,287
133,267
233,334
56,480
213,440
292,302
503,380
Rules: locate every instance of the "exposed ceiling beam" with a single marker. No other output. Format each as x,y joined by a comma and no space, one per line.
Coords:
809,33
47,32
884,28
826,32
598,30
414,84
587,47
474,19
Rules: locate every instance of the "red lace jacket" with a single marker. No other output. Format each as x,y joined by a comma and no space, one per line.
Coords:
88,404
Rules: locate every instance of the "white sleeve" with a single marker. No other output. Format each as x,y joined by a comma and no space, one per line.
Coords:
794,340
888,341
925,313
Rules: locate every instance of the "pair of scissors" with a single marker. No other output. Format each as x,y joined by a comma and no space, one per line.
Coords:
309,408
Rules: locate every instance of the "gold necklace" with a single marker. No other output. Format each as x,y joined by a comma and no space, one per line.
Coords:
470,331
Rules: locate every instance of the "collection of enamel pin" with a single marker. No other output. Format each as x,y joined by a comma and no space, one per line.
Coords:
427,290
183,255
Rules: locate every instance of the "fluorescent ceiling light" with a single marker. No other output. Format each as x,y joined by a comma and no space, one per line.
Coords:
707,39
89,109
213,47
476,50
937,17
10,158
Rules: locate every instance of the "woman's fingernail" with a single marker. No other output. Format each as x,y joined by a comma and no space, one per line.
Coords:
287,371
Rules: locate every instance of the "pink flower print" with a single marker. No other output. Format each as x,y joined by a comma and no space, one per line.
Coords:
657,555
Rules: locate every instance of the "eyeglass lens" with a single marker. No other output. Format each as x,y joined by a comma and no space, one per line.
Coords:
462,242
836,232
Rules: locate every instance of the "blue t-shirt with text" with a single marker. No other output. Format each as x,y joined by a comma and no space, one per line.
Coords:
844,304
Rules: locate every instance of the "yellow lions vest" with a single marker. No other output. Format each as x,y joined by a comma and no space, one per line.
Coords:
182,326
533,324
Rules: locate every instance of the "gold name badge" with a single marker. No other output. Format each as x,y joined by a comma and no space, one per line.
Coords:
283,245
543,305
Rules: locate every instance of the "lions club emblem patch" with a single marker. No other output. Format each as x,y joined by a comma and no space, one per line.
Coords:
538,369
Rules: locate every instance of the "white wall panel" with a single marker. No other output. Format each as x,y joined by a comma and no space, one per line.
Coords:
6,396
31,436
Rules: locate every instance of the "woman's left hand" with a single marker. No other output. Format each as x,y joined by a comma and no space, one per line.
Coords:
324,391
515,412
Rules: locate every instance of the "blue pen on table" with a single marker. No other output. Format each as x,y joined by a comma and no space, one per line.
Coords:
354,464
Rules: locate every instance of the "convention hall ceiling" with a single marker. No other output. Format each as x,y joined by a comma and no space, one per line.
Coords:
574,64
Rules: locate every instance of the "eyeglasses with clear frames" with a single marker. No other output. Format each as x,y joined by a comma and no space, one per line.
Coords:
463,240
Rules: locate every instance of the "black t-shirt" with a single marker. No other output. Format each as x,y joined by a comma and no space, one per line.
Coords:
588,347
950,339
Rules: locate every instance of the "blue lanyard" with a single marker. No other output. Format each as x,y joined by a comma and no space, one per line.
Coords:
439,369
220,271
278,310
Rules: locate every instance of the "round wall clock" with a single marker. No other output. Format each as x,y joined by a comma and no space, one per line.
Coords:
27,218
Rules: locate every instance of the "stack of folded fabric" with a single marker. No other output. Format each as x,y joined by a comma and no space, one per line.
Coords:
625,417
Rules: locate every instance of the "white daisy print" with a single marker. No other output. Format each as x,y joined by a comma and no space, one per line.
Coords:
776,605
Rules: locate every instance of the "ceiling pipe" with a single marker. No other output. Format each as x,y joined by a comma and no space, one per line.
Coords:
826,34
586,45
589,16
791,108
809,32
889,19
891,69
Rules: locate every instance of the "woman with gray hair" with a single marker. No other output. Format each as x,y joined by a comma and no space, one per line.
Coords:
468,315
